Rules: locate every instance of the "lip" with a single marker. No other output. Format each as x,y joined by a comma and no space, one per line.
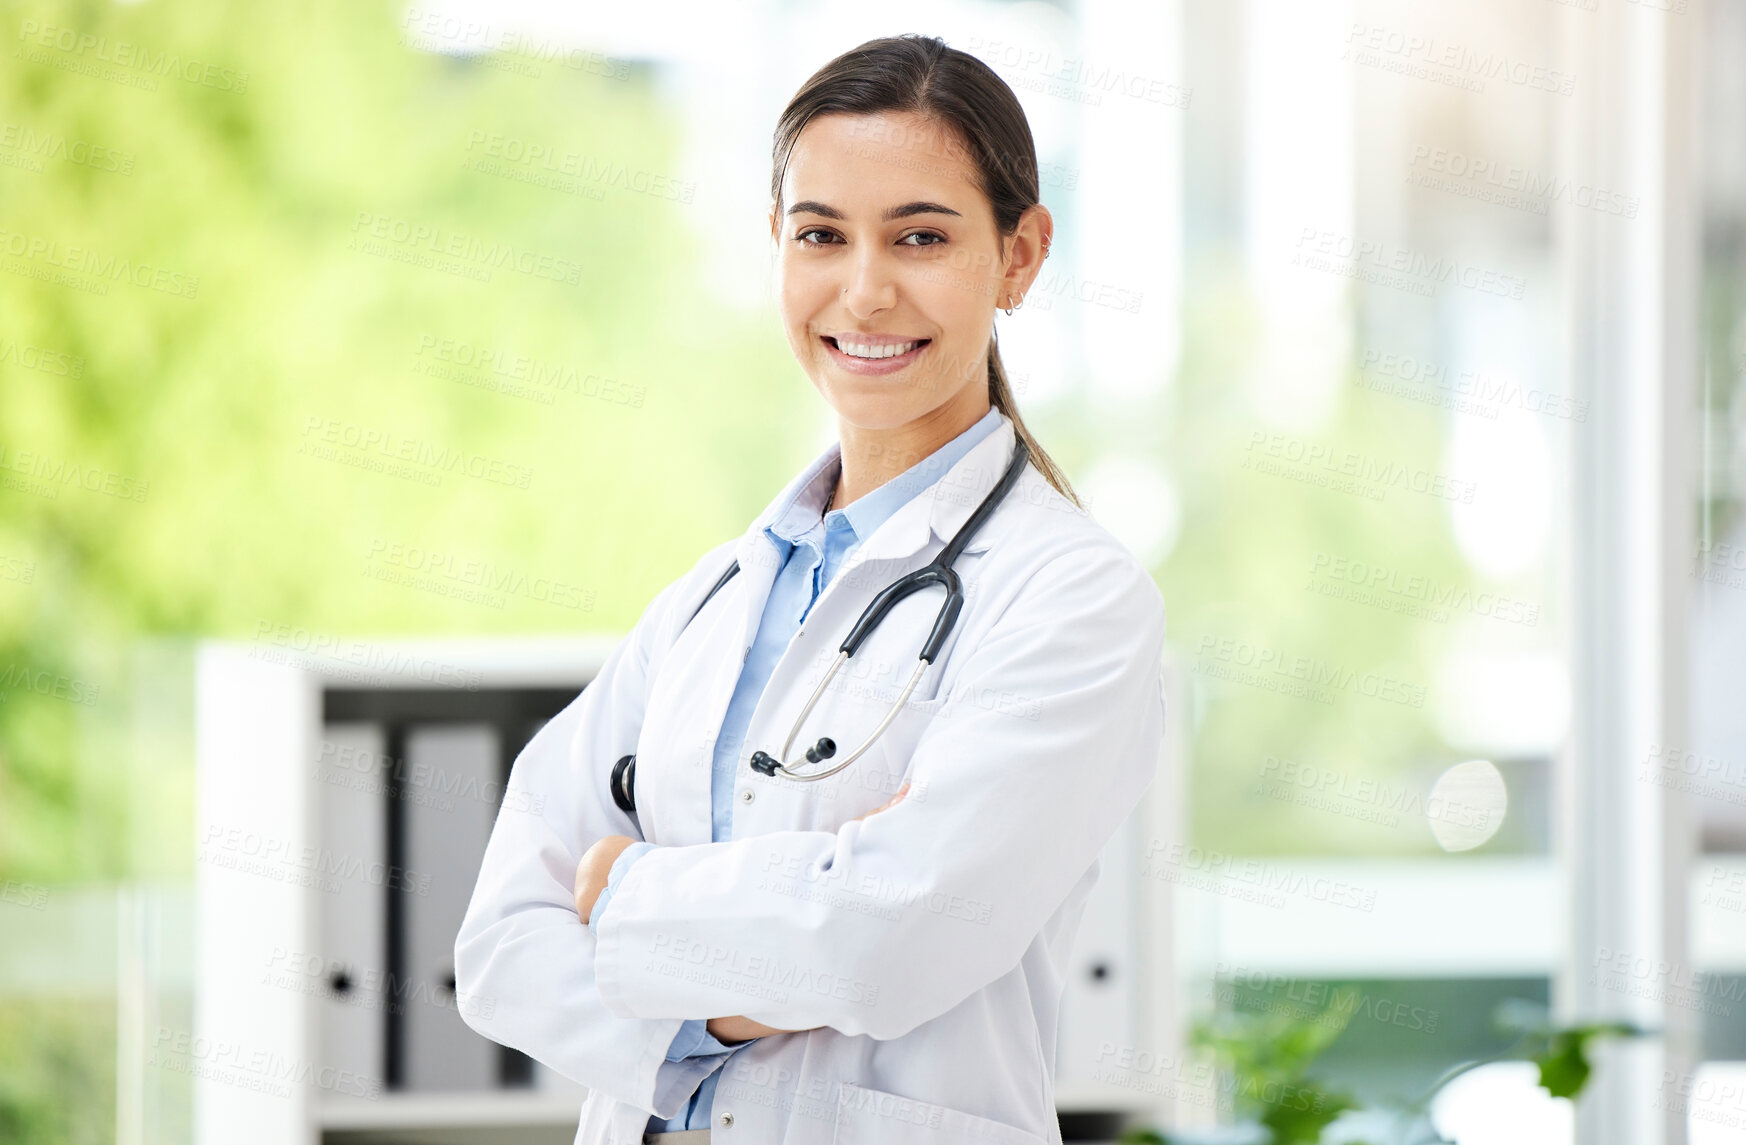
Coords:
875,366
877,339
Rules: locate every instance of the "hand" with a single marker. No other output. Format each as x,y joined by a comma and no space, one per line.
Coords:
739,1028
591,872
889,803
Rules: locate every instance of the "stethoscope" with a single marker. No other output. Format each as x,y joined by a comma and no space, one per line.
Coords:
939,571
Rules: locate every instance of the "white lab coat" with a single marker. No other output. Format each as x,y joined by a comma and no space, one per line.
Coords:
926,943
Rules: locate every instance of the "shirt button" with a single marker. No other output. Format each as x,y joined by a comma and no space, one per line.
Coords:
747,795
727,1119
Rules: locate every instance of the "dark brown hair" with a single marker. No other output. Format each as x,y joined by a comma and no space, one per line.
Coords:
920,74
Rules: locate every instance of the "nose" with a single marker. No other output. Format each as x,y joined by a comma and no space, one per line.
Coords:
871,284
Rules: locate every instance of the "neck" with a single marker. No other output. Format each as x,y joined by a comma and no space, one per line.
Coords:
871,457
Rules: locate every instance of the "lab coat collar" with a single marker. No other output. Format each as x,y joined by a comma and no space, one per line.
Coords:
938,510
793,517
946,504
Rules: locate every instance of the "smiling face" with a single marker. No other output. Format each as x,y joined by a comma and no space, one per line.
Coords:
888,270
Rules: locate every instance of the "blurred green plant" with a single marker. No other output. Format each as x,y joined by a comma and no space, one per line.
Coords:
1268,1061
1269,1057
57,1071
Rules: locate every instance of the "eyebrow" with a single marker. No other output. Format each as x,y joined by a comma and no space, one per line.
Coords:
814,207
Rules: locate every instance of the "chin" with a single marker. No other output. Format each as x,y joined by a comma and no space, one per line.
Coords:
873,411
882,403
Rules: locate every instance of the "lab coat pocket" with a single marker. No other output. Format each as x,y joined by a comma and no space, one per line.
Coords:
874,1117
877,776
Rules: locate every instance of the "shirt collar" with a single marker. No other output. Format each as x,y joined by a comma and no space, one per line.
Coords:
941,509
802,513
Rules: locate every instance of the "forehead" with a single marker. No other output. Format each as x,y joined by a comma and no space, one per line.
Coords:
878,160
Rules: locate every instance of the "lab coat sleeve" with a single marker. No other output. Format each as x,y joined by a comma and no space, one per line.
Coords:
892,920
523,957
693,1038
613,875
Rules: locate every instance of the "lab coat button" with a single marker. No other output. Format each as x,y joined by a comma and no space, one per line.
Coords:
727,1119
747,795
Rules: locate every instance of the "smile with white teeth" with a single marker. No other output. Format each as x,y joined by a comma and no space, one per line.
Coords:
862,350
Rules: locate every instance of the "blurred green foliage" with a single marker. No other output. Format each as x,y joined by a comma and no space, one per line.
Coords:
57,1071
204,402
1242,573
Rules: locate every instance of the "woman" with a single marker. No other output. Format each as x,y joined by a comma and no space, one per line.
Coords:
874,956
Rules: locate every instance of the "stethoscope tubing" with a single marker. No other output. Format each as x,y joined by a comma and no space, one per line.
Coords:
938,571
842,658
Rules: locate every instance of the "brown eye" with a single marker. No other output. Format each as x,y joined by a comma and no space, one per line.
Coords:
938,239
804,241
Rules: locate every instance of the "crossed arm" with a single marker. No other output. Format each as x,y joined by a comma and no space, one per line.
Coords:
591,879
598,1007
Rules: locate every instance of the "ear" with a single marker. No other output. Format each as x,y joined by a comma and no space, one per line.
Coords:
1029,245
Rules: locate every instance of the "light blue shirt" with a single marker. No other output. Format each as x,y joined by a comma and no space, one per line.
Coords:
811,547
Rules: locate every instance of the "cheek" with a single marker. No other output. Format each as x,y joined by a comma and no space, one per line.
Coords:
800,294
953,300
962,316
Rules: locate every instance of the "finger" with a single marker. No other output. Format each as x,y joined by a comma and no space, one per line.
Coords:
889,803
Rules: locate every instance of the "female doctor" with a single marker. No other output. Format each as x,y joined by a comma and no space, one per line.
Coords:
874,956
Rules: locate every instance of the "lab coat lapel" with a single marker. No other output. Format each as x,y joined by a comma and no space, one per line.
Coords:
686,713
895,548
939,510
942,507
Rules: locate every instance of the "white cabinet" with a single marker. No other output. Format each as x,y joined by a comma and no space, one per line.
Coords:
345,791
